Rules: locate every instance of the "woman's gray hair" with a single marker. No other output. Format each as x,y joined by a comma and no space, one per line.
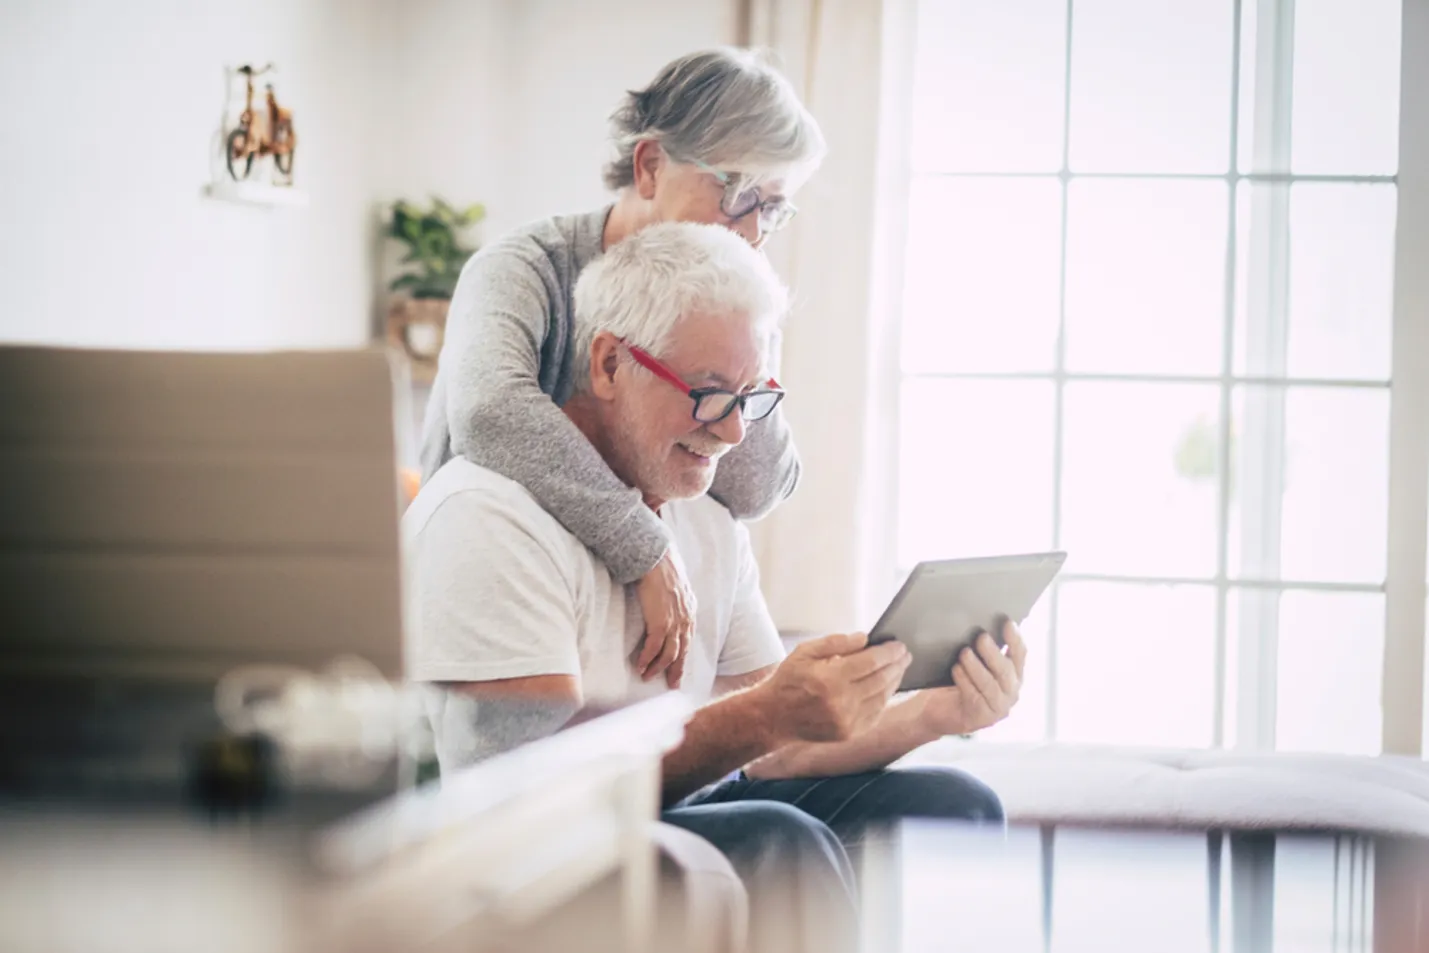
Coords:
726,107
642,287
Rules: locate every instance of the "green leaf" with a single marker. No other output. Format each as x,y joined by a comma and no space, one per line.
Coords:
437,244
430,239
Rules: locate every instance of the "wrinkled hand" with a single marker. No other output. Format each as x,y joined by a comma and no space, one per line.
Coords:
668,604
833,688
986,684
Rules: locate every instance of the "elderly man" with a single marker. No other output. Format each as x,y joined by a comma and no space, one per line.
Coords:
525,625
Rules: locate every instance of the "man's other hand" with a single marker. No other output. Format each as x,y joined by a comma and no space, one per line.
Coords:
668,604
986,684
832,688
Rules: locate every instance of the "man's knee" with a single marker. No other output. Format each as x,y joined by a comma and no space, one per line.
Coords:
782,834
800,883
795,832
763,834
939,792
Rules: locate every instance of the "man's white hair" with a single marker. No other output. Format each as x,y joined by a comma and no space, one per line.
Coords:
641,288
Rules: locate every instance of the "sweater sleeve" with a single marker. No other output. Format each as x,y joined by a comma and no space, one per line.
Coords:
502,420
764,469
761,472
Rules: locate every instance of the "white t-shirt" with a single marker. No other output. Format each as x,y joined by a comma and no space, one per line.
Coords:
500,589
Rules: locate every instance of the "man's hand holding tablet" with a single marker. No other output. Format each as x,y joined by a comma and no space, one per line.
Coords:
959,620
986,684
945,604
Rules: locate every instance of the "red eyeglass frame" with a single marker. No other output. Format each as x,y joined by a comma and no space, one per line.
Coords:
651,363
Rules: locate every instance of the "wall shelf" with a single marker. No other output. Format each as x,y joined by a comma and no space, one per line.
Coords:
255,193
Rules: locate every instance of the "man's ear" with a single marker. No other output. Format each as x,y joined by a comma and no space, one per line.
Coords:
604,359
648,162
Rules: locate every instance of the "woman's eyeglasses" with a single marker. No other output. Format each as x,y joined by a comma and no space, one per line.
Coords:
713,404
774,213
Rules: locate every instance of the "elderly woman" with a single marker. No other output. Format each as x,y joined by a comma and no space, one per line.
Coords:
718,137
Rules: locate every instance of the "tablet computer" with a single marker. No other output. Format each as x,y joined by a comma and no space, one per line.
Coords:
944,603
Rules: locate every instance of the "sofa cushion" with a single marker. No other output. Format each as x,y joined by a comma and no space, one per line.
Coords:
1090,784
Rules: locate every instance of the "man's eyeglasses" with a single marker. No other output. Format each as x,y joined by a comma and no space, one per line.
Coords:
774,213
713,404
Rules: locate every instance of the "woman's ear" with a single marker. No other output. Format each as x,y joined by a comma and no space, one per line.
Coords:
647,162
604,360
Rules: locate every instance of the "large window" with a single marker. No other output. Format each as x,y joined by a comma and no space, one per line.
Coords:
1147,318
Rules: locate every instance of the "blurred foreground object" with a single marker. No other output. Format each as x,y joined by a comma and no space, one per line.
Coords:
548,847
174,525
182,514
200,654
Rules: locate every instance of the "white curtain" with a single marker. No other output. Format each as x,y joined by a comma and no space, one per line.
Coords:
827,554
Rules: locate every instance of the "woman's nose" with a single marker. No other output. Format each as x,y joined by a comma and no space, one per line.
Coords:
750,229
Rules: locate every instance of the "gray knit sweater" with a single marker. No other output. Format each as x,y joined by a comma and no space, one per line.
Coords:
505,370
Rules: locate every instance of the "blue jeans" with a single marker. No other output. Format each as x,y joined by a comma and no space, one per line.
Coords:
790,841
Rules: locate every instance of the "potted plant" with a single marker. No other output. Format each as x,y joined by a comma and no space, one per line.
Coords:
435,254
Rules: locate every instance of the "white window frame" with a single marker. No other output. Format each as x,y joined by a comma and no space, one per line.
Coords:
1404,587
1405,623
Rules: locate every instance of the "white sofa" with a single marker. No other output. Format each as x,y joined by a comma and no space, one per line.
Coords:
1247,797
1170,788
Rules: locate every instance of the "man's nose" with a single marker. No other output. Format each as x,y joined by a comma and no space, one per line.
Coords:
730,429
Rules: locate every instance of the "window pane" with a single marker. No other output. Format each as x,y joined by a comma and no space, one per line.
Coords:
975,469
970,888
1135,664
989,86
1129,891
1345,92
1346,114
1146,265
1139,481
982,279
1340,293
1331,650
1151,86
1329,450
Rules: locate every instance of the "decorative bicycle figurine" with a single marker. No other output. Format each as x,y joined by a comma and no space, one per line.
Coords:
267,132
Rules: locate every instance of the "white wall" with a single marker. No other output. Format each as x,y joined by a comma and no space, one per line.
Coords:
109,113
602,50
110,109
505,101
448,95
